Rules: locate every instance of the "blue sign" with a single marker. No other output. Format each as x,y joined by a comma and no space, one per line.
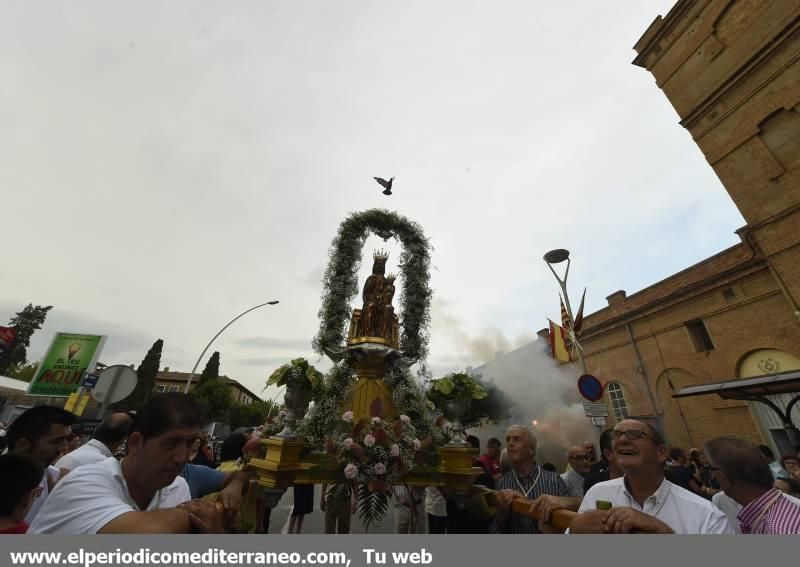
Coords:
90,381
590,388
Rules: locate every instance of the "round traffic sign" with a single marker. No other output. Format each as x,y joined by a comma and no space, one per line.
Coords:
114,383
590,388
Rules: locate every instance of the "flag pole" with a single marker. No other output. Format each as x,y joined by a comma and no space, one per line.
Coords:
563,285
556,257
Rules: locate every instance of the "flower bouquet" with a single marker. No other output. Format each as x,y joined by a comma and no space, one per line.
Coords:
373,455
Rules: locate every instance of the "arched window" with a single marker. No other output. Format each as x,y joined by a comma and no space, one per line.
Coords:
617,398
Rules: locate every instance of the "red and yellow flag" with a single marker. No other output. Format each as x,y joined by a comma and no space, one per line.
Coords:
579,317
565,323
558,343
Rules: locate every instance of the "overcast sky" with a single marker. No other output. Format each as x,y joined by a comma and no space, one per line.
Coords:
166,165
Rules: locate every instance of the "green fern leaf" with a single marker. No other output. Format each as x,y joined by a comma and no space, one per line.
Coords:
372,506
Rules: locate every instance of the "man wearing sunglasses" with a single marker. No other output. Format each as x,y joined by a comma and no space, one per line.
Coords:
643,501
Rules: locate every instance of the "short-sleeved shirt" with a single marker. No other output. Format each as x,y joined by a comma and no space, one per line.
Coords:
730,507
777,470
93,452
574,481
435,503
533,485
202,480
771,513
42,492
90,497
683,511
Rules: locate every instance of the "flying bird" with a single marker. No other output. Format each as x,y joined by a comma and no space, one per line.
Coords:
387,185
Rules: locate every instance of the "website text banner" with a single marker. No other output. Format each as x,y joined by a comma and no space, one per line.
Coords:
389,550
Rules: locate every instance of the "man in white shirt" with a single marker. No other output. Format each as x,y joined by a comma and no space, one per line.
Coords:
144,492
643,501
730,507
108,437
41,433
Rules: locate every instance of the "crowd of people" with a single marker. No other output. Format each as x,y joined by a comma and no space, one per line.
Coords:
154,472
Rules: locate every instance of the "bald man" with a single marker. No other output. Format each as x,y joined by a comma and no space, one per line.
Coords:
580,466
108,437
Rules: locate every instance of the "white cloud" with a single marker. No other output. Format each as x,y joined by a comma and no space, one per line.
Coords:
168,165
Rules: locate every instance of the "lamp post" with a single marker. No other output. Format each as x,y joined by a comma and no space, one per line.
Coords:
556,257
202,354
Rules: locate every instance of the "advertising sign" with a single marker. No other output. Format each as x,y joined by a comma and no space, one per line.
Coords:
7,336
70,355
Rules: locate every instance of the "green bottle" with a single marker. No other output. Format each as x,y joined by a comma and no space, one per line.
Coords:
603,505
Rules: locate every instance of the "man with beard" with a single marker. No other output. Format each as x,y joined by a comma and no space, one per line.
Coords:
144,492
643,501
41,433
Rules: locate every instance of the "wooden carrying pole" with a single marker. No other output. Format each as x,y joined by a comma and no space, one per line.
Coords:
559,519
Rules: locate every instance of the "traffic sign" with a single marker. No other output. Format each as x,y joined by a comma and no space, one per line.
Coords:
86,426
595,409
89,381
590,388
115,383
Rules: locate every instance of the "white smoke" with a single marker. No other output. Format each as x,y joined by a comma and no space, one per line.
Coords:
542,391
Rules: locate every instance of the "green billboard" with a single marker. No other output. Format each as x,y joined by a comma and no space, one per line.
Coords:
70,355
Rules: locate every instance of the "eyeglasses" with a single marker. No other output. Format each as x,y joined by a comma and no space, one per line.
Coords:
632,434
580,457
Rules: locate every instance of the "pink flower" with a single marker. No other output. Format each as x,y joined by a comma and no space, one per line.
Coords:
417,445
376,420
405,419
347,416
369,440
379,468
348,443
350,471
394,450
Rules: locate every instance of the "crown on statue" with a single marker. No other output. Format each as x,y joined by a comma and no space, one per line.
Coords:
380,256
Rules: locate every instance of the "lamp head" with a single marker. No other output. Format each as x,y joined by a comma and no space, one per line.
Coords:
556,256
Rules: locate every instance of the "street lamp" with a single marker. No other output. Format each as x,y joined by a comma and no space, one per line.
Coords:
556,257
189,381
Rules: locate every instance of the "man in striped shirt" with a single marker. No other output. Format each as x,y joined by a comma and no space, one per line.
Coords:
746,477
579,463
528,480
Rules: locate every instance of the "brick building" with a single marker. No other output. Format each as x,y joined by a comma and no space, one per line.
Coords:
170,381
731,69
